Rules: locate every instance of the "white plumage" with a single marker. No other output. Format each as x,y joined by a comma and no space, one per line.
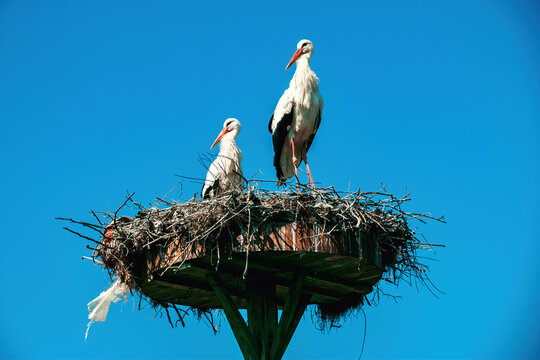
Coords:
297,116
225,172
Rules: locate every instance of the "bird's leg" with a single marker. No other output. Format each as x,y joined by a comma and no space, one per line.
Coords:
310,178
304,157
294,159
297,181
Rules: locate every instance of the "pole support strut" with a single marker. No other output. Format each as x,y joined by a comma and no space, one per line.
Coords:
263,338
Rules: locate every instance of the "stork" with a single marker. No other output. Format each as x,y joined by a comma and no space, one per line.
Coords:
297,117
225,172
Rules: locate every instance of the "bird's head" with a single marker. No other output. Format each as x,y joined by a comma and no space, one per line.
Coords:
303,49
231,129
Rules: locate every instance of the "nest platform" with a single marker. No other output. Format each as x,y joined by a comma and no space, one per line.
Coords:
263,251
337,270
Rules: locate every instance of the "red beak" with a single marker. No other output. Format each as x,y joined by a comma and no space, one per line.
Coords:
294,58
220,136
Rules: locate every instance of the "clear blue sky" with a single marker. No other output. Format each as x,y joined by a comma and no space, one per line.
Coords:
438,98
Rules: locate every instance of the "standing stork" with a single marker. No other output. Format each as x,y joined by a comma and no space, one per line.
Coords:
225,172
297,117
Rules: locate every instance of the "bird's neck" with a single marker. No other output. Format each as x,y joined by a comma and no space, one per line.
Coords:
230,154
228,145
304,82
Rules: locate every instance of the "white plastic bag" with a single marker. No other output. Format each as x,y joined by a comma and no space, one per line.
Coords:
99,307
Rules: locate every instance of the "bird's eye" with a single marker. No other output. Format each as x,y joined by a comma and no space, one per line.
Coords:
227,124
304,44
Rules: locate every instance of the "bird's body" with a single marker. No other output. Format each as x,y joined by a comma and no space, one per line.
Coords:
297,116
225,173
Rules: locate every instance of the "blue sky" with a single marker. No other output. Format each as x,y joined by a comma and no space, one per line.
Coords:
440,99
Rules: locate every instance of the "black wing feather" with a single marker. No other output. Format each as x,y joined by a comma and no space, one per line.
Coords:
211,191
316,127
270,124
278,138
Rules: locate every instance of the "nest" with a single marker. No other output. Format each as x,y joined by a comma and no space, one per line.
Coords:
243,222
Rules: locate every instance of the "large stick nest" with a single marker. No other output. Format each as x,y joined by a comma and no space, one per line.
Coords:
229,223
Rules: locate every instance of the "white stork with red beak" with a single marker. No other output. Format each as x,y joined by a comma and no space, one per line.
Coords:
225,172
297,117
